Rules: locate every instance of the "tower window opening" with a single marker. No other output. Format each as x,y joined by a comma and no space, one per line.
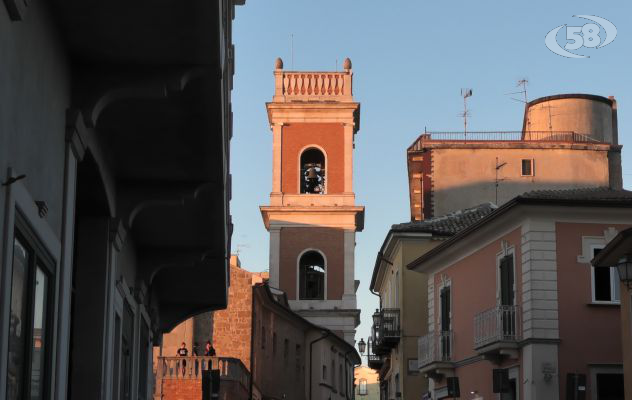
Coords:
312,172
312,276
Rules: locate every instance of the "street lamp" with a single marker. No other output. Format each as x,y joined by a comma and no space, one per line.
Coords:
625,271
361,346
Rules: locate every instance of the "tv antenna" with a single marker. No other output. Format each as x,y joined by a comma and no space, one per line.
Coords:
292,49
465,93
521,83
498,180
240,247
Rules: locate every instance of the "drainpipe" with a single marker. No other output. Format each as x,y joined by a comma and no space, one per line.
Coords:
311,348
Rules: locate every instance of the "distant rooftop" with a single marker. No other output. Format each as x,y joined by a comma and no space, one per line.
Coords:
448,224
598,194
502,136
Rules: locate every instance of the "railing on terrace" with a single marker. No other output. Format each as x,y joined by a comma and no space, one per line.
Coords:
498,324
386,328
434,347
504,136
230,369
305,86
372,357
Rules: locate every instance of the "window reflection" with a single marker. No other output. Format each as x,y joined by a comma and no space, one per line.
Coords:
39,334
17,334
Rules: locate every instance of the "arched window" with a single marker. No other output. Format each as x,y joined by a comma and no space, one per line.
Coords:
362,389
313,171
312,276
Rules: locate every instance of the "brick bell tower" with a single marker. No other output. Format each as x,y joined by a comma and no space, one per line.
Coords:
312,217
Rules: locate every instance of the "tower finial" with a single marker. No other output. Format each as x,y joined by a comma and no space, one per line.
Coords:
278,64
346,64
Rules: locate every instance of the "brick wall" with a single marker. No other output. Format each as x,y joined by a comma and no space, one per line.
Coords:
191,389
232,326
182,389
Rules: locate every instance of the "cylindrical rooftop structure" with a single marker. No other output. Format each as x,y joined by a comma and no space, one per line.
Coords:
585,114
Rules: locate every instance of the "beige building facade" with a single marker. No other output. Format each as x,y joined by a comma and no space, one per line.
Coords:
567,141
402,316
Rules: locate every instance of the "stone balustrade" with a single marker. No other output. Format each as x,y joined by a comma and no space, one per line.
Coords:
233,374
313,86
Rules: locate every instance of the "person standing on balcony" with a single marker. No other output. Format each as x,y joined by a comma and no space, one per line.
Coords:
183,352
194,351
209,351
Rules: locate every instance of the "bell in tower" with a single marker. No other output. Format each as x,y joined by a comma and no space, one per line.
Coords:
312,216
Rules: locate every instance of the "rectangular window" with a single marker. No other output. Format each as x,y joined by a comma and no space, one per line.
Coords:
30,314
127,337
286,350
527,167
507,281
144,357
446,345
324,373
274,343
605,283
341,381
298,358
263,337
362,389
610,386
333,373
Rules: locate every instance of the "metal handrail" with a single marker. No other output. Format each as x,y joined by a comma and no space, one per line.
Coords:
435,347
503,136
500,323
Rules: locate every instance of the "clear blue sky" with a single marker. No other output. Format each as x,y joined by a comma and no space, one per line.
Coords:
410,60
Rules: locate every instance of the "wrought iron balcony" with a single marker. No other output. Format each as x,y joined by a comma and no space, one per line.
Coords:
435,354
386,329
375,360
497,331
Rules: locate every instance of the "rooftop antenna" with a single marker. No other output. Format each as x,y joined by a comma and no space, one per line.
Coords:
292,49
521,83
498,180
465,93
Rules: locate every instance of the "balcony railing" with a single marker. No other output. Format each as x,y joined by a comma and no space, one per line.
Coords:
434,348
498,324
386,329
375,360
503,136
230,369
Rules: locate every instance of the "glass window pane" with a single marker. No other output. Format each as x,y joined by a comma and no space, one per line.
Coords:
17,324
614,276
38,356
602,284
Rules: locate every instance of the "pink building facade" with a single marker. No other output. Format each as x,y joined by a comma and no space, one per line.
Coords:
516,311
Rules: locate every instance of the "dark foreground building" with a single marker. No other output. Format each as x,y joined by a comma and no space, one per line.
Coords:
115,123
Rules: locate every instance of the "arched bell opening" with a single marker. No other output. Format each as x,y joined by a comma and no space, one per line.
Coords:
312,276
313,171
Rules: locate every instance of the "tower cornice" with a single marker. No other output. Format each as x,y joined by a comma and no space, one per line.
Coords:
314,112
341,217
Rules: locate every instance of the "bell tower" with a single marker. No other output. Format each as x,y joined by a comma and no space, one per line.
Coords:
312,217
